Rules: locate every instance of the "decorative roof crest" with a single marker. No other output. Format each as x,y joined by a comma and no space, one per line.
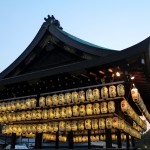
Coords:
51,20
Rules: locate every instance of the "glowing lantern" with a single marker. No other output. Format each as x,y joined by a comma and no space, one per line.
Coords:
112,91
94,123
96,94
75,97
61,99
68,125
63,112
104,92
120,90
89,109
81,96
68,97
75,110
89,95
111,106
44,114
57,113
104,107
68,112
88,124
96,108
82,110
55,100
108,123
101,123
62,126
49,100
81,124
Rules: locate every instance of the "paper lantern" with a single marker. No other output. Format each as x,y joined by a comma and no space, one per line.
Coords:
101,123
68,97
80,138
81,125
68,112
74,125
57,113
116,122
22,105
39,128
3,106
62,126
75,98
44,114
51,113
49,100
33,128
114,137
55,126
38,114
135,95
112,91
28,127
94,123
104,92
63,112
13,106
81,96
51,127
9,117
120,90
61,99
124,106
14,117
85,138
96,94
42,101
108,123
18,116
82,110
88,124
44,127
28,103
4,118
89,95
111,106
33,114
75,111
96,108
103,107
28,115
24,128
9,106
55,100
33,102
68,125
23,115
89,109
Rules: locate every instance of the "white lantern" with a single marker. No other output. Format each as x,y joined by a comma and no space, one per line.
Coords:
101,123
81,124
68,112
124,106
111,106
57,113
28,115
96,108
94,124
81,96
33,102
115,122
68,97
135,95
44,114
75,97
82,110
112,91
39,114
74,126
62,126
51,113
108,123
89,95
68,125
88,124
42,101
96,94
61,99
89,109
63,112
55,100
75,111
104,92
120,90
49,100
104,107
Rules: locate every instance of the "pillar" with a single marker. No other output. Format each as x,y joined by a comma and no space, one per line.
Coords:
38,141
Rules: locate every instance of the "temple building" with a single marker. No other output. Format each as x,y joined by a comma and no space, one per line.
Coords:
66,91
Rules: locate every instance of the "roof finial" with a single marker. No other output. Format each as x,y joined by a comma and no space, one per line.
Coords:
53,21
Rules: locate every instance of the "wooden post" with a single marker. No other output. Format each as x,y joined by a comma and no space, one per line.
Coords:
38,141
13,140
127,141
57,140
108,138
70,138
89,139
119,138
133,142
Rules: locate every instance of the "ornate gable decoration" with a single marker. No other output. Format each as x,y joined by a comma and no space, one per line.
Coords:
52,21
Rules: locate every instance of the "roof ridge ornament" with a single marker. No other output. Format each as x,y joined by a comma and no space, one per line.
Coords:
52,21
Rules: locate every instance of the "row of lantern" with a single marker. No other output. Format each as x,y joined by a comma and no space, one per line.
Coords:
127,109
52,137
66,98
74,125
18,105
139,102
63,112
82,96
